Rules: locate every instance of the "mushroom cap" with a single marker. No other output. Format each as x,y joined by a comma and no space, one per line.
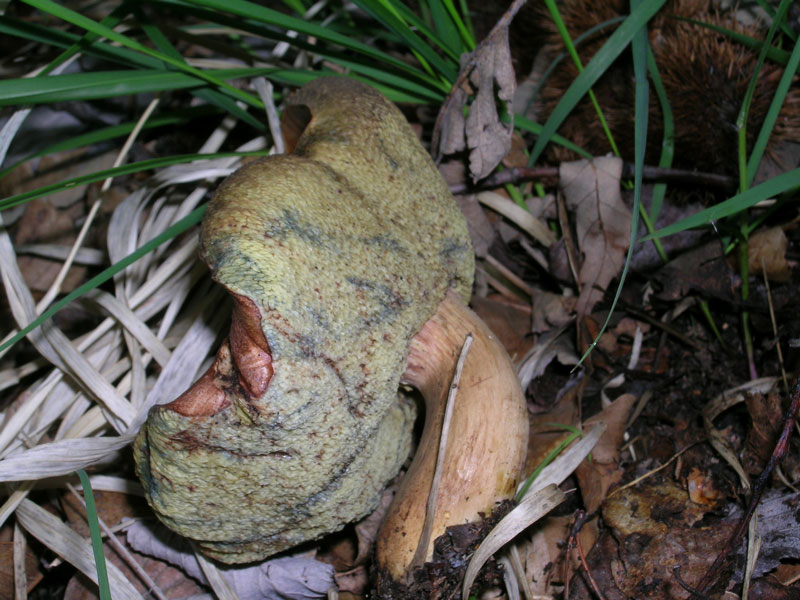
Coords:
345,247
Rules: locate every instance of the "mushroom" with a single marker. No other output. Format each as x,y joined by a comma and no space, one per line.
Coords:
349,264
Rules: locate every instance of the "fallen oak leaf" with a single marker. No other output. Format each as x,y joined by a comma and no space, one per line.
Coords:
602,223
482,132
488,139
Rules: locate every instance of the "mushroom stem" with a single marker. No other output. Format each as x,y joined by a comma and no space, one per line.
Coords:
487,440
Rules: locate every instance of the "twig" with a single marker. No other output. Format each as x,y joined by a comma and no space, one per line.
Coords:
430,509
124,553
676,572
574,541
517,175
660,325
778,454
774,327
651,472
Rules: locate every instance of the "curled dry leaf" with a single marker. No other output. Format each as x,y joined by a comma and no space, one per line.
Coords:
488,139
602,223
490,71
720,404
551,310
286,578
768,246
597,477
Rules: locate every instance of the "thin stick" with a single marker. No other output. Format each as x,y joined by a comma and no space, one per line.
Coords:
509,274
265,91
430,509
55,288
575,539
778,454
516,175
652,472
774,326
112,539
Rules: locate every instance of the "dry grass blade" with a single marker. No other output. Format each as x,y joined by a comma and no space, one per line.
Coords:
541,497
60,458
530,510
561,468
54,534
520,217
127,318
433,495
20,574
719,405
106,379
221,587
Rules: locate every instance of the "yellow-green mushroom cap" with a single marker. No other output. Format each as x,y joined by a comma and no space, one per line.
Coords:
337,254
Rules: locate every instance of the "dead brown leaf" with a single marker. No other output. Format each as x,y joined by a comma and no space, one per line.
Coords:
42,222
702,269
481,232
766,418
489,70
508,321
615,416
551,311
654,528
448,138
543,555
488,139
602,223
597,477
769,246
546,432
33,570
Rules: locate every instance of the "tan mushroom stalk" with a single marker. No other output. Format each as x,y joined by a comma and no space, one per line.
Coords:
487,436
349,264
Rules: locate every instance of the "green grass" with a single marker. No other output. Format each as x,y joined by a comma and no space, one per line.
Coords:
146,57
97,539
410,56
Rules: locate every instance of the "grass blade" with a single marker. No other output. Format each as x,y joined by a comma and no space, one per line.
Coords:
255,12
88,24
746,177
169,119
97,539
742,201
772,114
168,234
61,39
143,165
425,54
211,96
613,47
105,84
639,48
527,125
668,141
570,46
